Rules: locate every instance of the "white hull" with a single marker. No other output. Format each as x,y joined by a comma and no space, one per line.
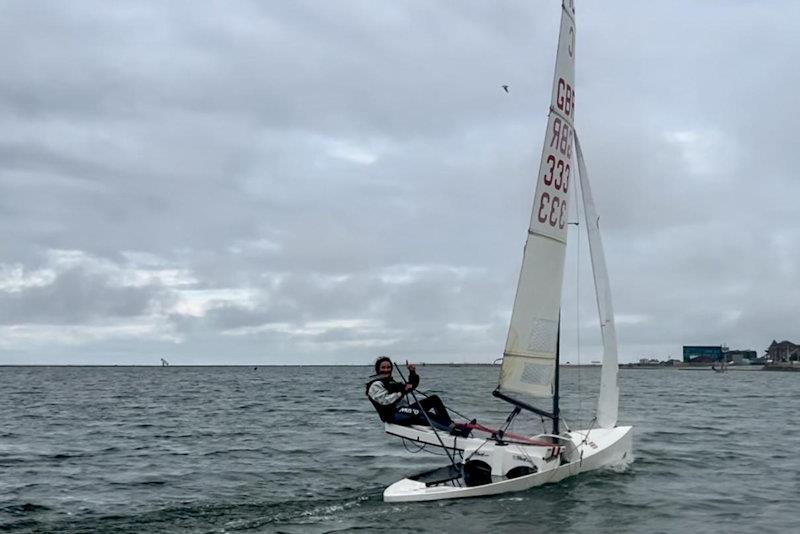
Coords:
605,447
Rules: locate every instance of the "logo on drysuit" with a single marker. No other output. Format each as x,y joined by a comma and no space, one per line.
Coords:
415,411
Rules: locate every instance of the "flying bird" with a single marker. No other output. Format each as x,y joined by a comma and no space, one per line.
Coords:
505,88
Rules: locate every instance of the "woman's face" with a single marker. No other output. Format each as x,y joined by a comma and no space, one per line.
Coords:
385,368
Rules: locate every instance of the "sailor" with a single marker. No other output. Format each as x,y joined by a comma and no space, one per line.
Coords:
388,397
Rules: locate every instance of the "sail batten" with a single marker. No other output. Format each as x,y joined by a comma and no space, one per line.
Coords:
545,236
530,352
561,116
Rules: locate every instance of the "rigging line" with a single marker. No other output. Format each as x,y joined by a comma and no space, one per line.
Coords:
407,441
515,412
468,458
578,295
566,425
528,456
586,439
591,427
421,448
448,407
427,418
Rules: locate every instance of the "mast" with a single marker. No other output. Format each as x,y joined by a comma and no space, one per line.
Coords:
556,410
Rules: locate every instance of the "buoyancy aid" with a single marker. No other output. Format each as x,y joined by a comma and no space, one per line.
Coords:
390,387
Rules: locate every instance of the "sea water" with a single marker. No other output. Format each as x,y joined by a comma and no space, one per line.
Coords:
300,449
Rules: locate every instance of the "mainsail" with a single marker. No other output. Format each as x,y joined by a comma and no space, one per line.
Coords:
530,352
608,399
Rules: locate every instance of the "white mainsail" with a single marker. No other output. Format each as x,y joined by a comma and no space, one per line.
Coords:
608,399
529,355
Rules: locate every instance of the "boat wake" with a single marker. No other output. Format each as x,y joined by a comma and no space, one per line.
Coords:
623,465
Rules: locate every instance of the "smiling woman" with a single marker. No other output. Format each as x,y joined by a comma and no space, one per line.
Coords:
388,397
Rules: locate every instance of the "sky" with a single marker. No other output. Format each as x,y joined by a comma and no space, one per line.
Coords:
322,182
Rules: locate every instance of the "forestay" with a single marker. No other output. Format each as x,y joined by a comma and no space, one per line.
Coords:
529,356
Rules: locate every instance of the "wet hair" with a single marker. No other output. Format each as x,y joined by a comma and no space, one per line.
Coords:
379,361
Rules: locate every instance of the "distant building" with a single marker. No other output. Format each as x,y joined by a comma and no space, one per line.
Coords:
741,357
702,353
785,351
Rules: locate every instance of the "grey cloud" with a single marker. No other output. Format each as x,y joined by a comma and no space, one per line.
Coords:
75,297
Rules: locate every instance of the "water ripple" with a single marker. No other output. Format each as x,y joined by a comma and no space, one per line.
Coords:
279,450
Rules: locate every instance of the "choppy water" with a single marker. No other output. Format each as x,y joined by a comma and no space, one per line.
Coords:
298,449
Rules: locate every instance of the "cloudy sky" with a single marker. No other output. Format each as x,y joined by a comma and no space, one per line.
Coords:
325,181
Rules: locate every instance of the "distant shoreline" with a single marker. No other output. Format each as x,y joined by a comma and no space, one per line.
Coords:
622,366
147,365
142,365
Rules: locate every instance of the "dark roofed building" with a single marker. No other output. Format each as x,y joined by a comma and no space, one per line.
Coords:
785,351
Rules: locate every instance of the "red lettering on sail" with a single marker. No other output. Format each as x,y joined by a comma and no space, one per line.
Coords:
569,148
548,178
572,102
560,178
554,205
569,102
544,201
558,174
564,97
554,141
562,138
552,210
566,139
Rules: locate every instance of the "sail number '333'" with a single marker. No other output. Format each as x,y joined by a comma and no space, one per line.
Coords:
552,208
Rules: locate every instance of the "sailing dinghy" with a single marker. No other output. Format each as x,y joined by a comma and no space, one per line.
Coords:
504,462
